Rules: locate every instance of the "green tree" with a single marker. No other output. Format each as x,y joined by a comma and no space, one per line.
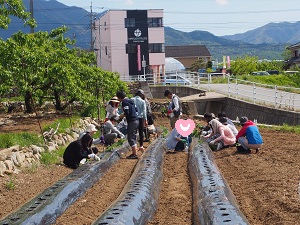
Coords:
14,8
245,65
41,65
198,64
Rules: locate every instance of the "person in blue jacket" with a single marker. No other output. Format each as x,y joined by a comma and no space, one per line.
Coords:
131,114
248,137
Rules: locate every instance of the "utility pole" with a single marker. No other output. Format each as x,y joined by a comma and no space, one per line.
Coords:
31,14
92,16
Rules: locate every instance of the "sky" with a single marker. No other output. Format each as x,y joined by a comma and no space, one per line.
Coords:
219,17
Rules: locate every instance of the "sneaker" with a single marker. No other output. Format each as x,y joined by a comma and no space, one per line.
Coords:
241,150
132,156
146,140
142,149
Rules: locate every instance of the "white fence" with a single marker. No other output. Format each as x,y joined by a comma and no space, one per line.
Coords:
270,95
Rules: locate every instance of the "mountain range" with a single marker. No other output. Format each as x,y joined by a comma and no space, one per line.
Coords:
266,42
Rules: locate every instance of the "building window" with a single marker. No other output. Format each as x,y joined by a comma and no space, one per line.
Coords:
131,48
155,22
105,50
156,48
129,22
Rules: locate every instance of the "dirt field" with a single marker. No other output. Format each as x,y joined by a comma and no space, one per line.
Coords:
265,184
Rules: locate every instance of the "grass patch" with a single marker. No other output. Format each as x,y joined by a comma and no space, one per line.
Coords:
11,184
23,139
284,128
53,157
64,123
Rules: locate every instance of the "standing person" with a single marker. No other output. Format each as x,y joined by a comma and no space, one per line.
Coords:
175,109
78,150
111,132
225,137
150,119
131,114
112,108
142,115
248,137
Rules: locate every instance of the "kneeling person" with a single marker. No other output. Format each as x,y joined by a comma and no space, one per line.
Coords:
78,150
111,132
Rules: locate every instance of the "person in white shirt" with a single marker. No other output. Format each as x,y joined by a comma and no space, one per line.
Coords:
232,127
111,132
91,130
174,109
142,115
112,108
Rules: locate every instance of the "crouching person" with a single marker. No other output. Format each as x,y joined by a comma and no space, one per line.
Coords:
248,137
223,135
111,132
175,142
78,150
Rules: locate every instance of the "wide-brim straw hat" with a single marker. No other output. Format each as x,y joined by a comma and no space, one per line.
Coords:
114,99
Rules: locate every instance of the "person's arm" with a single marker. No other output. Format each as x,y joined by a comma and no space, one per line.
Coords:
222,135
241,133
144,110
126,109
115,130
176,104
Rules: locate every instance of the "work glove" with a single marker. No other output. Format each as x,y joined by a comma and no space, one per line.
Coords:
169,112
97,158
183,141
123,136
212,142
91,156
83,161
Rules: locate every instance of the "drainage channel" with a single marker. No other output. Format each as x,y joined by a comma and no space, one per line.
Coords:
49,205
214,202
138,201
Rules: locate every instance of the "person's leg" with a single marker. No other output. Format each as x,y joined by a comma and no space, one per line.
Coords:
110,138
131,136
243,142
141,132
179,146
173,121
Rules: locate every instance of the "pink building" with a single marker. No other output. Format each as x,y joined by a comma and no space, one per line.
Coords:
130,42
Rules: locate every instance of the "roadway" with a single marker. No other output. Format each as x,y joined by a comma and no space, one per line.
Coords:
255,94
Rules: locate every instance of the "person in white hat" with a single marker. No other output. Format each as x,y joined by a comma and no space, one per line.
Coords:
112,108
91,130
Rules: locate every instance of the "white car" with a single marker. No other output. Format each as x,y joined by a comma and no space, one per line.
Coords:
176,79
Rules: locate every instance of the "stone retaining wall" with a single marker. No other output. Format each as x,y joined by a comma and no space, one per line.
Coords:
15,158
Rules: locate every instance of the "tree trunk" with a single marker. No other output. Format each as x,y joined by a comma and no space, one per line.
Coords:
28,102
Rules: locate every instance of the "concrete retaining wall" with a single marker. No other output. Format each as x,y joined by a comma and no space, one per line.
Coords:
234,108
158,92
237,108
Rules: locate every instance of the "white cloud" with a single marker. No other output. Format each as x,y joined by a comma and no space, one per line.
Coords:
129,2
222,2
